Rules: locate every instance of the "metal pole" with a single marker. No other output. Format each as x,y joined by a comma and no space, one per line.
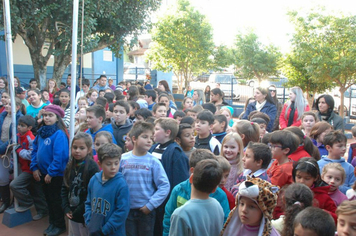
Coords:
81,47
74,67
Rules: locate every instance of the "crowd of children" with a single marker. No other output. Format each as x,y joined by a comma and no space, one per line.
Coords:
140,165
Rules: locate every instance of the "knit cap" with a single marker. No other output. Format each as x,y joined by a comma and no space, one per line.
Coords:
55,109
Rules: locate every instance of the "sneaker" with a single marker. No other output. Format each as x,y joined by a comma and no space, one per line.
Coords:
39,216
21,209
56,231
49,229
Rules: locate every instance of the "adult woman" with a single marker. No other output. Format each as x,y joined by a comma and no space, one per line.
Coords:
273,92
207,93
217,97
198,97
51,88
293,109
263,103
325,106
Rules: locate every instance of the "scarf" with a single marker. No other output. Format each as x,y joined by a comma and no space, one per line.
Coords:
259,106
47,130
291,114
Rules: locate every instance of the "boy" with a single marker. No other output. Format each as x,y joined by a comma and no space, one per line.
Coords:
108,201
219,127
335,144
20,93
191,113
178,116
346,214
182,192
150,97
121,125
352,149
159,110
185,138
95,116
201,215
147,181
134,106
172,157
24,188
314,221
33,83
282,143
262,124
226,167
204,138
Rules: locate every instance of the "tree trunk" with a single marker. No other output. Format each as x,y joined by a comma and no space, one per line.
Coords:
342,92
60,65
39,68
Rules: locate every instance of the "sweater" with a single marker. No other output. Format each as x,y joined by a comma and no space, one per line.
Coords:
147,181
335,120
321,148
299,154
24,151
108,201
283,121
337,196
32,111
209,143
235,171
281,175
269,109
120,132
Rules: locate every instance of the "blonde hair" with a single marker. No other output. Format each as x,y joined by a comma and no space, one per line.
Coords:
224,163
250,130
346,208
237,138
336,166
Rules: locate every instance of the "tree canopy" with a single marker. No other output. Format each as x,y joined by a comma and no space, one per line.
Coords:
46,28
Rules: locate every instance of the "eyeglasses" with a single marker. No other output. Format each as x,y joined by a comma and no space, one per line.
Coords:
272,90
272,146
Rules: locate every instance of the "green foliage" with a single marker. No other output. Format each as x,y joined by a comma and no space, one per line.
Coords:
223,57
182,43
255,59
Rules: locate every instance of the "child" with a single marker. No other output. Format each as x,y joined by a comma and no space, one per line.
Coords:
226,167
191,113
110,114
83,102
351,193
185,138
313,221
75,182
178,116
64,99
346,214
108,201
282,144
142,114
100,139
249,131
80,120
335,143
45,97
227,111
352,148
306,171
148,183
201,215
305,148
317,134
92,96
187,103
309,119
253,213
150,97
204,139
262,124
24,188
182,192
159,110
49,158
232,150
122,125
334,175
95,117
164,98
219,127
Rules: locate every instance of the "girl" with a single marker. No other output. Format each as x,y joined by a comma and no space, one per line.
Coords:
52,88
128,143
163,98
64,99
100,139
248,131
75,182
317,134
187,103
3,85
334,175
309,119
232,149
217,97
5,137
207,93
5,98
293,109
198,97
83,103
132,93
49,158
36,104
92,96
306,171
189,92
228,111
45,97
185,138
163,86
80,120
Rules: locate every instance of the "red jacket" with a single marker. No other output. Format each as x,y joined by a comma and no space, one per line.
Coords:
298,154
324,201
283,122
230,198
24,151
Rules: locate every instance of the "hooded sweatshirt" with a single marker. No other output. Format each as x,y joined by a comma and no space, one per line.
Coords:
120,132
103,128
323,201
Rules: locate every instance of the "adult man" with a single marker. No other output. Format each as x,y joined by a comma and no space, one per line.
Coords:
69,81
102,83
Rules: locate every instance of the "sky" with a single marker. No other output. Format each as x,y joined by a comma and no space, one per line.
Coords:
267,18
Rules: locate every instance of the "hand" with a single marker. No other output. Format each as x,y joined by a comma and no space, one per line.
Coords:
48,179
69,215
37,175
145,210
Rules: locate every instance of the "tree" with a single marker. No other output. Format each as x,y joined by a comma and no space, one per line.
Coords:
182,43
46,28
330,42
223,57
255,59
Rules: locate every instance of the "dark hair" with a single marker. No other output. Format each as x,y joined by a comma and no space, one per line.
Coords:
134,105
27,120
141,90
207,175
109,97
258,114
181,128
259,121
144,112
60,124
221,119
305,141
217,91
200,154
139,127
209,106
133,92
161,95
33,79
266,138
109,151
297,197
308,165
155,106
265,91
165,85
178,113
101,101
206,115
353,131
286,138
123,104
317,220
335,136
85,82
329,100
64,91
187,120
151,93
120,97
262,152
98,111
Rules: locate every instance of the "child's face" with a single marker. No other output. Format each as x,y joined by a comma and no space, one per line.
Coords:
346,225
92,121
161,112
128,143
139,118
109,114
320,138
85,88
120,115
165,100
277,151
300,231
230,149
202,127
188,104
224,178
192,114
262,129
23,128
80,149
304,178
82,104
249,161
33,85
160,135
110,167
100,141
187,140
144,141
179,119
333,177
308,122
64,98
49,118
101,93
249,213
81,115
337,150
93,96
148,99
226,114
62,86
45,96
195,95
218,127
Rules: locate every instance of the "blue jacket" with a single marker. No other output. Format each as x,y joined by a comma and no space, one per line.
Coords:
3,145
50,151
269,109
120,132
321,148
108,128
349,170
110,201
181,194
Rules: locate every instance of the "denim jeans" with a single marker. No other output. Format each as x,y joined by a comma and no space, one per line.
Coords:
139,224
